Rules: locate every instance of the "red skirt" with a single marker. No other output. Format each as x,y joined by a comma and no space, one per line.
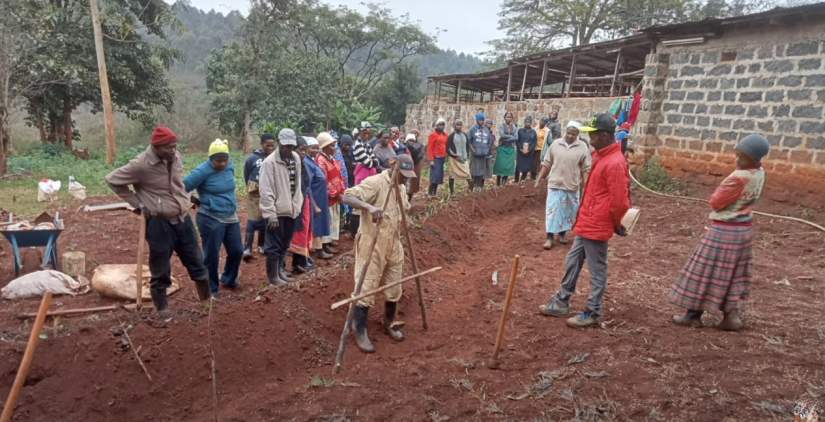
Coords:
718,274
302,239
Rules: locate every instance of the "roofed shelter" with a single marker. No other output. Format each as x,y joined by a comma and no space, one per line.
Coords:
602,69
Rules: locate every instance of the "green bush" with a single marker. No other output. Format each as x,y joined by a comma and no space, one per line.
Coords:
653,175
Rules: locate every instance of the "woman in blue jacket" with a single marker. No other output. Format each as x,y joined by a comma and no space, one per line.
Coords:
217,216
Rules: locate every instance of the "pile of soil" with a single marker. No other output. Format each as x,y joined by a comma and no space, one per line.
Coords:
274,350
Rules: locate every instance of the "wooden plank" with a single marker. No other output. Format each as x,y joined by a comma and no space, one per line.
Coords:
571,76
509,83
616,73
523,83
543,75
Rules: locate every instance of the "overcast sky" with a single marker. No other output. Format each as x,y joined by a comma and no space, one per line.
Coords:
468,24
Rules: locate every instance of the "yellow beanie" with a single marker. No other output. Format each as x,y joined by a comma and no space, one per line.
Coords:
219,146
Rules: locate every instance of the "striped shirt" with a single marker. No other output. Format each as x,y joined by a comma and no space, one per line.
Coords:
362,152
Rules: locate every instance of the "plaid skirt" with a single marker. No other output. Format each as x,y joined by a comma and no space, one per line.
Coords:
718,274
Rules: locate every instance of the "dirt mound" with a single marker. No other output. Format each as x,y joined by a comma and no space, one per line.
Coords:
274,351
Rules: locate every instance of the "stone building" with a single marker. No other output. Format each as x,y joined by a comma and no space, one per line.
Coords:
704,86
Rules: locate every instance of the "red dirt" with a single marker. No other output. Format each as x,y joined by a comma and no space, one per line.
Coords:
269,351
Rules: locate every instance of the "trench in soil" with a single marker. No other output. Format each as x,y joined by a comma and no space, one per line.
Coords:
274,355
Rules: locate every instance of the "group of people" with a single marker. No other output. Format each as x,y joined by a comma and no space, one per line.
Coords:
716,277
301,188
478,154
297,187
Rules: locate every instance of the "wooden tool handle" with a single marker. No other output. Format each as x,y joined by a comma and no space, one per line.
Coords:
139,267
28,355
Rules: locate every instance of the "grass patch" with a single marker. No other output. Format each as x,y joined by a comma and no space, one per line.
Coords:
53,162
653,175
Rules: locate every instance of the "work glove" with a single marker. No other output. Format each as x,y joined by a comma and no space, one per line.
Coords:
621,231
272,224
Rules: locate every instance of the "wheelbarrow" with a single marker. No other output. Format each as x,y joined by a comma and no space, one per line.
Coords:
38,239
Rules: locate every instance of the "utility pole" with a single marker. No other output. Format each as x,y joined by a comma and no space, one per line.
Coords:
111,148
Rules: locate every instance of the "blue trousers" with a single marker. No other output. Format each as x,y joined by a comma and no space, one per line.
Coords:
215,234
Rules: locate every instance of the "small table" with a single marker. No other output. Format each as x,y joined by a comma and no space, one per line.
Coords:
34,238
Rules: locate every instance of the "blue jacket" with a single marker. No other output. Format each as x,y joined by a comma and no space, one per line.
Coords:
252,166
318,193
216,190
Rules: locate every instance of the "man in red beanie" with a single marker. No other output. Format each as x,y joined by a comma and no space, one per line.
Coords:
152,183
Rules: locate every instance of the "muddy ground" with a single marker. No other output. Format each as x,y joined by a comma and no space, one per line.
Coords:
273,355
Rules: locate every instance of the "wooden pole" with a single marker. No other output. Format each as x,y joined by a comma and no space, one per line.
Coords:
139,267
504,312
438,92
413,260
28,355
523,83
572,76
377,290
509,82
106,96
342,342
458,92
77,311
543,74
616,73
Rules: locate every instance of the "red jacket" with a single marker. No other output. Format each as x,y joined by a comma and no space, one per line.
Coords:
437,145
335,181
606,195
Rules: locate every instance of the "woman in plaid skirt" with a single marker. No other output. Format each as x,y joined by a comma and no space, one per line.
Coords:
718,274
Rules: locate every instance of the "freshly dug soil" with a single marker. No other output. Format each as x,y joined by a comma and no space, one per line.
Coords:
274,351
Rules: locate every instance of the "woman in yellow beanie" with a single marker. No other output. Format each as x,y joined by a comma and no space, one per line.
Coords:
217,217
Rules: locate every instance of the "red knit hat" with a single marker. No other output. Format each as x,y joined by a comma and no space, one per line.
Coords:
162,135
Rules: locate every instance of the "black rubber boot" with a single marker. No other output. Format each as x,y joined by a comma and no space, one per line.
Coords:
160,301
282,275
273,264
394,331
359,322
327,247
202,287
451,184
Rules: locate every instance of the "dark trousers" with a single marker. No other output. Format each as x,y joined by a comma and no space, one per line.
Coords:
278,240
215,234
165,237
253,226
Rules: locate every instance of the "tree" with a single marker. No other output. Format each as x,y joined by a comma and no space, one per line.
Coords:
13,42
301,61
61,64
395,92
538,25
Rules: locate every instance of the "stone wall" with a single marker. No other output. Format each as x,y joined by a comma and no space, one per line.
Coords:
422,116
699,100
770,82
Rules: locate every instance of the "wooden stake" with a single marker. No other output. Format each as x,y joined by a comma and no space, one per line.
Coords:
139,267
359,283
613,85
135,351
108,120
377,290
509,83
413,260
504,312
543,74
25,364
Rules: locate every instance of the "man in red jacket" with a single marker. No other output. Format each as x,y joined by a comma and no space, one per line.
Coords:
605,200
